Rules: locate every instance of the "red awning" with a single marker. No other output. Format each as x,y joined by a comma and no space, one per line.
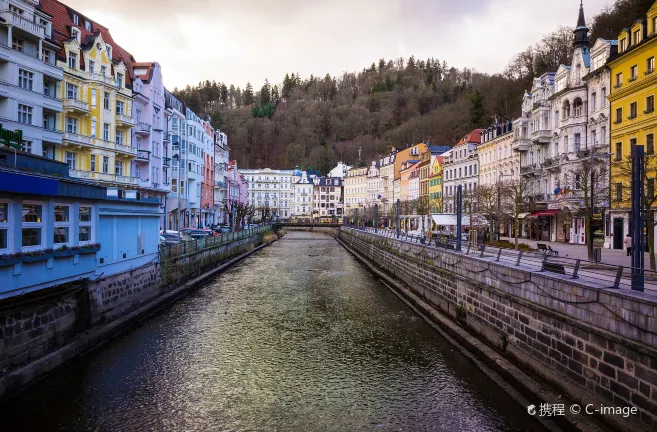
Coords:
544,213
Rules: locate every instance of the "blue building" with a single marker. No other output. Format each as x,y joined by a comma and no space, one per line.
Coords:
58,230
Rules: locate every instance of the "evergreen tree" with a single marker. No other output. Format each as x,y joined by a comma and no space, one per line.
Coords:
223,90
248,95
265,93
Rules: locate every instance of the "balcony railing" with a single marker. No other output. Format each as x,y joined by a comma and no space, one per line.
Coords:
542,136
520,144
24,23
126,149
126,179
143,127
76,104
95,76
125,119
143,155
166,162
83,139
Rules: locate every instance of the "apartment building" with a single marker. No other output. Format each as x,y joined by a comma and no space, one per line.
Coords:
328,202
273,189
221,159
461,168
177,202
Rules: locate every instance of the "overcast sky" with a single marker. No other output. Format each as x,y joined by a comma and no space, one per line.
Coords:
236,41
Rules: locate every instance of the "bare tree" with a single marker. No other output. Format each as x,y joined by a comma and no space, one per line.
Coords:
487,203
423,209
514,196
622,175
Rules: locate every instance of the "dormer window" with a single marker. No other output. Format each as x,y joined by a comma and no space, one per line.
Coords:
637,36
87,25
72,60
75,33
109,52
119,80
623,44
76,19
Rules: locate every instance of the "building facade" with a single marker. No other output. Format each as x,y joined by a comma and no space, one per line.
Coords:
355,189
374,185
273,189
177,201
461,168
328,200
634,122
436,185
221,159
303,194
497,161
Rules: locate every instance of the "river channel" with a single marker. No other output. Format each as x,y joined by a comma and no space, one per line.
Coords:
298,337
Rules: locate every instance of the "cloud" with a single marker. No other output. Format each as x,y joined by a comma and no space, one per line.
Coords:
250,40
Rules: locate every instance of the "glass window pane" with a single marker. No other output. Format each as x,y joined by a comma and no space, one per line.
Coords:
4,212
85,234
85,214
61,213
32,212
3,239
31,236
61,235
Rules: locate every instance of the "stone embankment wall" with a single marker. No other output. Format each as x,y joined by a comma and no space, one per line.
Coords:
43,322
595,345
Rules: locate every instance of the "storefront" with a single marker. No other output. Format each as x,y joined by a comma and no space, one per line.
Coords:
540,224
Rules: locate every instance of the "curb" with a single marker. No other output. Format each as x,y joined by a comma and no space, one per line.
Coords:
493,361
17,380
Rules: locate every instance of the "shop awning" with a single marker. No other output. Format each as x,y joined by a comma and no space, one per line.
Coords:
543,213
448,219
522,215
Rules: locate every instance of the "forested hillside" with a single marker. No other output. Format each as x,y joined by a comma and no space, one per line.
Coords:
316,121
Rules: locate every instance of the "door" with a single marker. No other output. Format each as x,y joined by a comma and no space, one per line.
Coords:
618,233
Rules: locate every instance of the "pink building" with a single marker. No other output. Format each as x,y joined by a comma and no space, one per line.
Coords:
237,187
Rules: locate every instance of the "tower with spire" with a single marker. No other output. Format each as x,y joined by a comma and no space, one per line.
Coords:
581,32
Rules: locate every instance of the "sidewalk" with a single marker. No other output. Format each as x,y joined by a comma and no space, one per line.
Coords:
578,251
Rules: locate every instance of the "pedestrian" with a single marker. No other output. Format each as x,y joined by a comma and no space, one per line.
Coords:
628,244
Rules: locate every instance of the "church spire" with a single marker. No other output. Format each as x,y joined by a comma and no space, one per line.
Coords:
581,31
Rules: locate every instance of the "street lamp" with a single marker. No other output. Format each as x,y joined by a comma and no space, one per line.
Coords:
589,222
499,201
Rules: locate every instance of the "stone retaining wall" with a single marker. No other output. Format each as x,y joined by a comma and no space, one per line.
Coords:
585,341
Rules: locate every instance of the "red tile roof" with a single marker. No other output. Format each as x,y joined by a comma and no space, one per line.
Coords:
149,66
472,137
62,21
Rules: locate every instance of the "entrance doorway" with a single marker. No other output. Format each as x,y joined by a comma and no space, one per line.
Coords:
618,233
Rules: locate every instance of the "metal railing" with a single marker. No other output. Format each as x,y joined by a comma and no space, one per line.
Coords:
172,250
596,274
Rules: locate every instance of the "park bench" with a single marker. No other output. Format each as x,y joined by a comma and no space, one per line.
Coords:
547,249
554,268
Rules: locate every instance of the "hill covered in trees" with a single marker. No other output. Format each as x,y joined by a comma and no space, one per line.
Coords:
316,121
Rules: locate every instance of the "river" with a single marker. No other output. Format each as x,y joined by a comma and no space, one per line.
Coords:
298,337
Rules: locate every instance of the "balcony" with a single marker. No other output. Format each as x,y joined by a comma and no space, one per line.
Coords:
166,162
75,138
520,144
221,185
102,78
123,120
143,155
23,23
76,105
125,179
531,170
166,137
551,164
128,150
542,136
143,128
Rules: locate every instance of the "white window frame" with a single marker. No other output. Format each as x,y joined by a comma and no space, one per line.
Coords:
105,164
93,129
68,224
74,159
118,134
72,60
5,226
40,225
92,163
90,224
26,146
118,168
106,131
94,96
71,91
26,112
25,79
73,123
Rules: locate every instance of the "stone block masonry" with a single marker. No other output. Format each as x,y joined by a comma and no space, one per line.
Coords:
36,327
596,346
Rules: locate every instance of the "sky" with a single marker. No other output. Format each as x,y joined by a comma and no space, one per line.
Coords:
240,41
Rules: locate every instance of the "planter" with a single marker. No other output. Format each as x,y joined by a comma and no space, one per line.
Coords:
35,258
88,250
65,253
9,262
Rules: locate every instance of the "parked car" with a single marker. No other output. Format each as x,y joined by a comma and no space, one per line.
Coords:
170,238
222,229
194,233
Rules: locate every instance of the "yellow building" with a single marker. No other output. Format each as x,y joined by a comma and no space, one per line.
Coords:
436,185
425,169
355,189
97,100
633,117
410,153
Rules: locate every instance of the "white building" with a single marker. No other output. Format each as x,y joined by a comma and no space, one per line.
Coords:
461,167
328,202
303,195
387,175
271,188
30,83
194,143
374,185
221,160
177,202
340,170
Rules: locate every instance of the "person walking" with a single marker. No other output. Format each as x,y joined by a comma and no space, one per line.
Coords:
628,244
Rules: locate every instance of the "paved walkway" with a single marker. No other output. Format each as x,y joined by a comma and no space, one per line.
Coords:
578,251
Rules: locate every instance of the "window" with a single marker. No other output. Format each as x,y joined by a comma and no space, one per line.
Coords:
118,168
109,51
637,37
75,33
619,79
73,60
15,10
76,19
25,114
32,224
619,151
603,135
593,101
633,110
25,79
650,104
71,91
603,97
92,163
119,137
103,71
17,43
94,95
106,131
634,73
45,55
650,144
87,25
619,191
619,115
650,65
86,223
62,223
120,107
578,181
71,125
4,225
623,45
106,101
71,159
594,138
26,146
565,145
105,164
119,80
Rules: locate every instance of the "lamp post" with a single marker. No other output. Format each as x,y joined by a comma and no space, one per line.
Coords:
397,205
376,216
499,202
638,219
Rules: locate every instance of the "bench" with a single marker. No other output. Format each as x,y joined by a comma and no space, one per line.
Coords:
554,268
547,249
